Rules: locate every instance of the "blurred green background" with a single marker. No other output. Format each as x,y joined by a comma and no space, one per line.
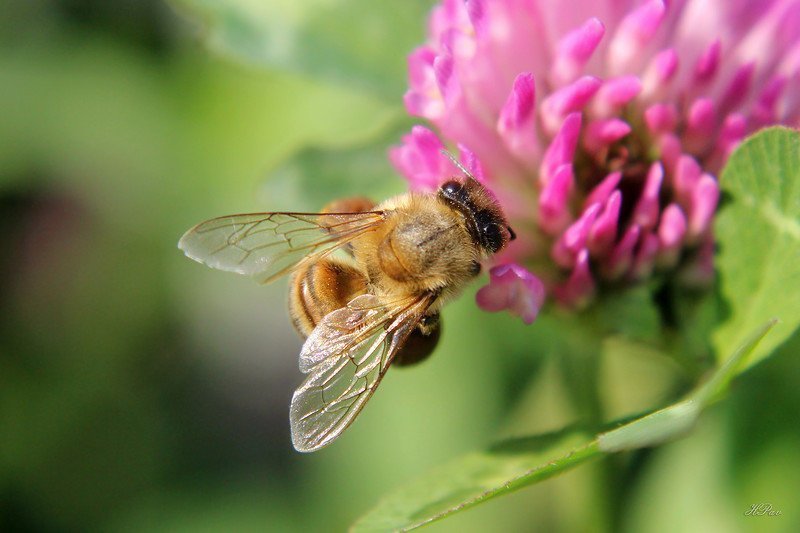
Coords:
140,391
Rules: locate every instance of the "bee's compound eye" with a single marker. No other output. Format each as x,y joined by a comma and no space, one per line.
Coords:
451,188
492,237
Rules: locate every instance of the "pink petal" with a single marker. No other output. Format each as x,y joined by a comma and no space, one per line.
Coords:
604,231
554,214
738,88
633,33
669,148
661,118
645,214
420,159
614,94
562,147
733,130
420,65
445,78
685,178
519,106
707,63
567,100
765,108
566,248
621,257
659,73
475,12
517,122
701,123
704,202
600,134
671,231
603,190
423,97
579,289
470,161
575,49
514,288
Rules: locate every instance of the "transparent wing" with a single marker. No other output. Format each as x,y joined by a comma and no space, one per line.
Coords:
346,356
267,245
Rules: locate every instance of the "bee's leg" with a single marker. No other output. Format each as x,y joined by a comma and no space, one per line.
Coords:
318,288
421,343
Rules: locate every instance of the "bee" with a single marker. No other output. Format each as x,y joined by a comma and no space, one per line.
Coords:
374,305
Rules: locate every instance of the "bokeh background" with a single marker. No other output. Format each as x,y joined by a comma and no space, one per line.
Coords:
140,391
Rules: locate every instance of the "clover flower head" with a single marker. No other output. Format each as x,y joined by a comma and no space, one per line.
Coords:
600,126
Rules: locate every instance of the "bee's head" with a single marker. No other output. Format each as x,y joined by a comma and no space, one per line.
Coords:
485,219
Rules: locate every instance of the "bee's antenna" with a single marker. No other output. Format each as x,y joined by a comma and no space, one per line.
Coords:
457,163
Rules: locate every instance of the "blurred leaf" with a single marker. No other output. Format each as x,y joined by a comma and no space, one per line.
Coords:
759,237
693,477
314,176
677,419
82,428
236,505
635,377
631,313
714,387
519,462
477,477
696,315
354,42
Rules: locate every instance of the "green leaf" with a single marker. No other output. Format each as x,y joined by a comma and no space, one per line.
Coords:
355,42
759,239
679,418
516,463
477,477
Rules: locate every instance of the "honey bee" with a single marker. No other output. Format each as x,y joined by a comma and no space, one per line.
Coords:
372,306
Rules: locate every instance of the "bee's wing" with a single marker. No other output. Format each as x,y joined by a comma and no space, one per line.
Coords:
346,357
267,245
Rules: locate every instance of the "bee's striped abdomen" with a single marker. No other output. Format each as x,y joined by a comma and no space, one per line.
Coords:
321,287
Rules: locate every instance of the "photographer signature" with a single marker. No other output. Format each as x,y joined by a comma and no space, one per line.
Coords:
762,509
